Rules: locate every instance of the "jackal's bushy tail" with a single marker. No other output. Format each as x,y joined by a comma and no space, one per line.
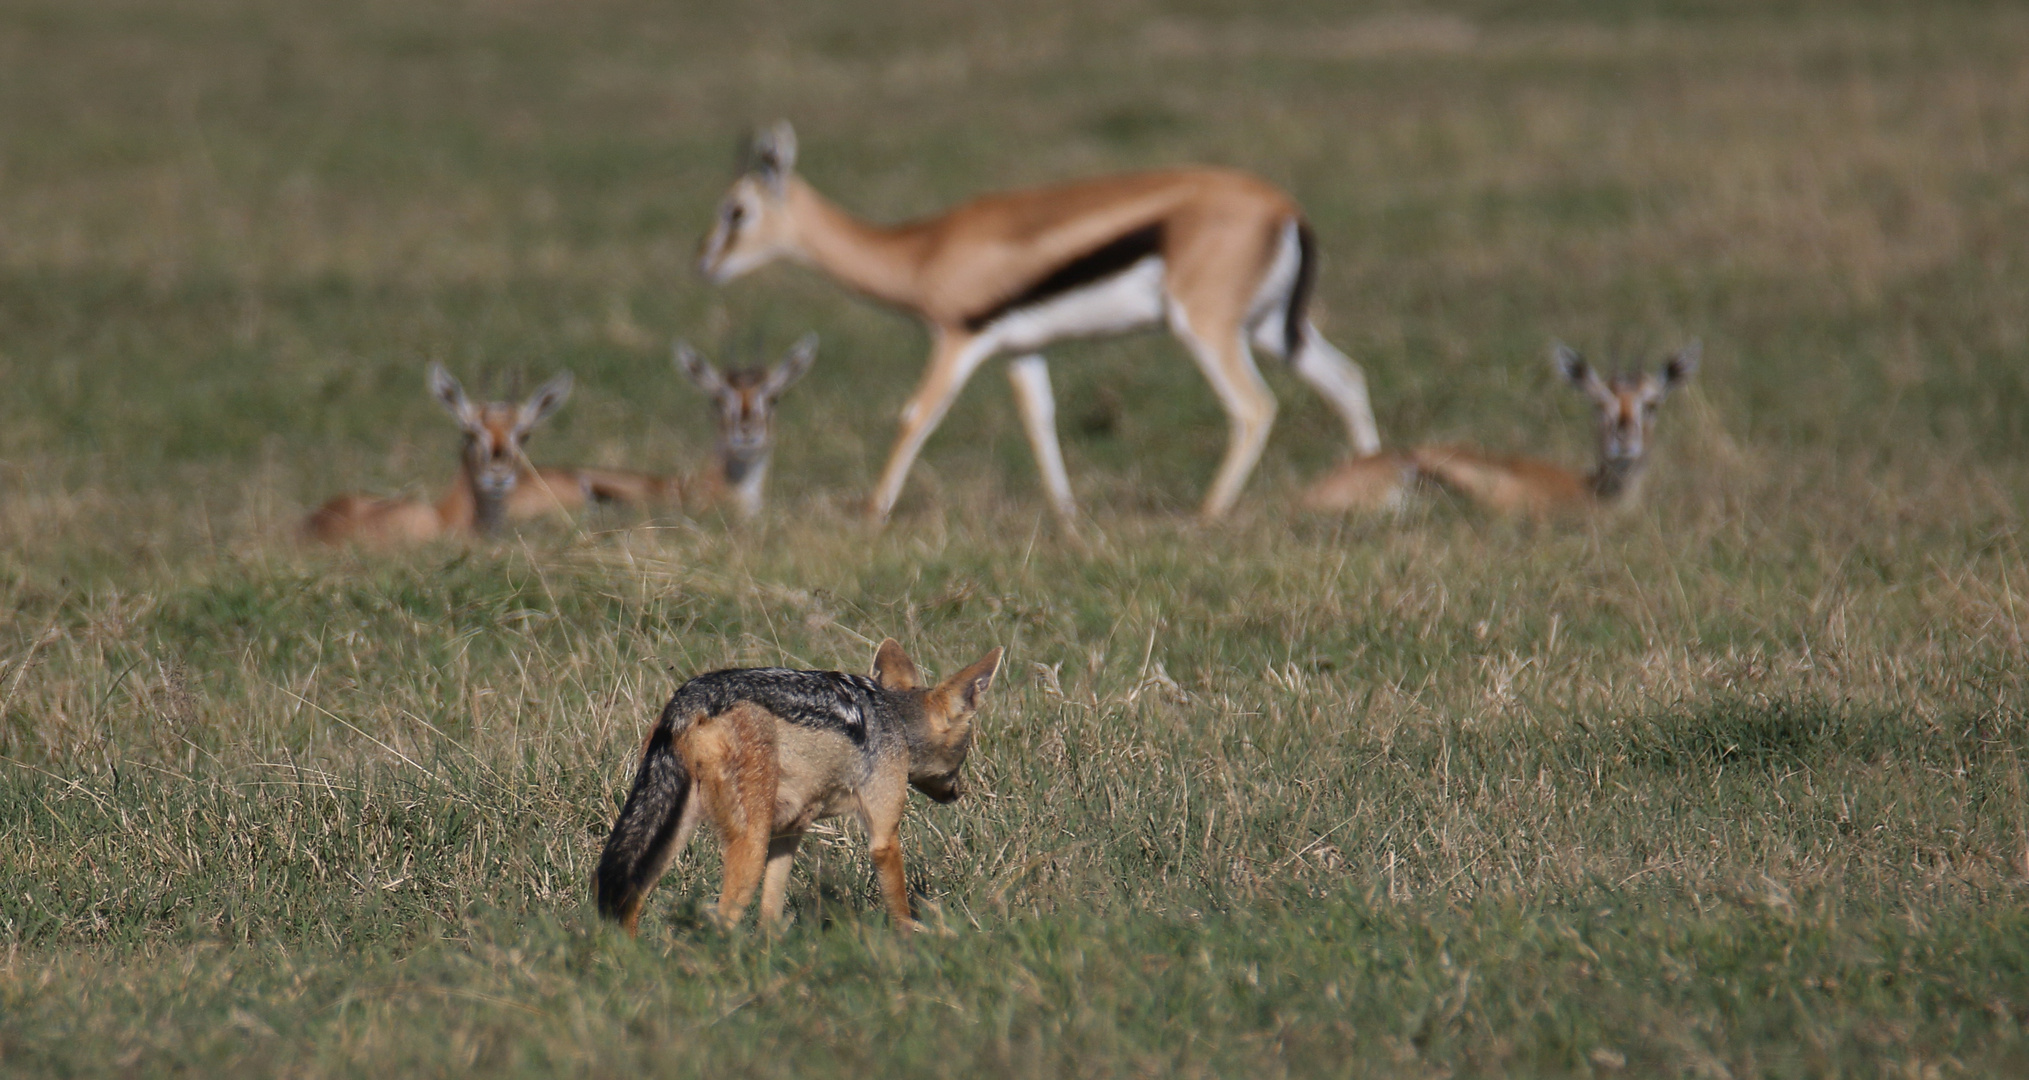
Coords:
639,847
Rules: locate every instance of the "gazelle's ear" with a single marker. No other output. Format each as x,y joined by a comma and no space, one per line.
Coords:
893,669
792,366
547,399
775,155
1570,366
1573,369
451,396
963,690
698,369
1682,364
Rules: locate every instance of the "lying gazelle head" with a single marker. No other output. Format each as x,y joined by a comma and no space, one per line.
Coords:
744,401
940,735
752,227
494,434
1627,406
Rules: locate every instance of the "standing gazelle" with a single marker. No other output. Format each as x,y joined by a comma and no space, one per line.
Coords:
1626,410
496,483
1222,257
744,403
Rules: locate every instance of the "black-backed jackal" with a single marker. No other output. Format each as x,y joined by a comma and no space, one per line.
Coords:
1626,407
764,752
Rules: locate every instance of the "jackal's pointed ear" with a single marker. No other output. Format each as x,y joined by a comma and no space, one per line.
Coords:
893,669
774,155
964,689
698,369
451,396
792,366
547,399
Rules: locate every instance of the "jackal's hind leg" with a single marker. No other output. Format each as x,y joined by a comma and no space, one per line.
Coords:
744,809
746,855
775,883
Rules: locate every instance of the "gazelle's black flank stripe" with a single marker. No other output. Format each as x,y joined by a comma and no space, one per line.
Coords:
1299,291
1096,265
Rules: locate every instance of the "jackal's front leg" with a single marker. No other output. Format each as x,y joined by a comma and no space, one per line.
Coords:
884,843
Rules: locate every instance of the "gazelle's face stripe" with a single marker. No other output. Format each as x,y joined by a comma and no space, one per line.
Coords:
746,416
748,233
494,433
1627,415
493,449
744,402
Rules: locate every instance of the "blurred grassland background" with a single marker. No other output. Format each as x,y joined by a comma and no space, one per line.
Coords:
1730,785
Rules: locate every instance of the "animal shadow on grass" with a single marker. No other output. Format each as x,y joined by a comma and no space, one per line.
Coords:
1745,730
828,901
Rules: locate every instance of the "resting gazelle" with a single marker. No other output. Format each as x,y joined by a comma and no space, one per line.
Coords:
1221,257
496,484
1626,411
744,404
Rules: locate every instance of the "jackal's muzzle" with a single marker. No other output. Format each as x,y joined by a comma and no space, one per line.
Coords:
942,789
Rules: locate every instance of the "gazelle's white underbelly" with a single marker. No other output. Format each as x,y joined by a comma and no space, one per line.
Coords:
1134,297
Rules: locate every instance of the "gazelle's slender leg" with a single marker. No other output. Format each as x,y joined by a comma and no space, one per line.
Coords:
1031,378
1250,408
1334,375
952,361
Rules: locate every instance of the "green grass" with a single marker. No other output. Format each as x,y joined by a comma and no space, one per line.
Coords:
1729,785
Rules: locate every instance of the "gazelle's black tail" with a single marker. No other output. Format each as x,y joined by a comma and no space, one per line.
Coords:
1293,316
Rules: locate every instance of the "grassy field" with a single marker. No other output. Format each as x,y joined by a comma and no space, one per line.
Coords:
1731,785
